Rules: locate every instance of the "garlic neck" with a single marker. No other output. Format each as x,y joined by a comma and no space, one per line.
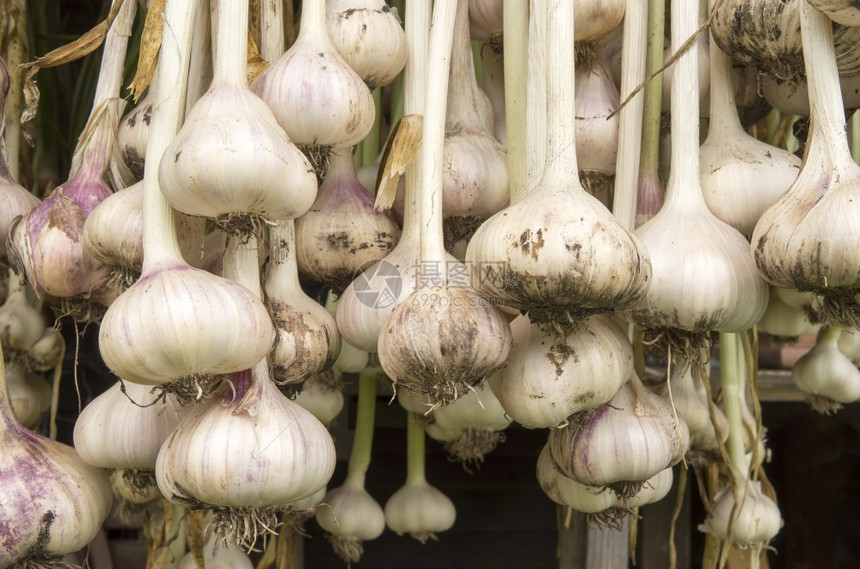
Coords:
312,23
415,456
560,89
113,58
230,18
724,118
282,273
463,103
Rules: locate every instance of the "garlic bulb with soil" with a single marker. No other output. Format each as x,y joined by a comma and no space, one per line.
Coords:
807,239
343,232
622,443
316,97
307,340
152,333
544,247
752,519
132,134
113,233
417,508
124,428
740,175
231,161
369,37
353,516
549,378
704,277
246,453
826,375
597,99
51,501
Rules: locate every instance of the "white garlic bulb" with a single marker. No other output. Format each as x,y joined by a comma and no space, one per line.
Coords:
352,516
825,374
849,344
21,324
369,37
133,131
322,397
248,452
564,490
25,397
690,399
783,321
755,522
547,378
794,99
420,510
596,19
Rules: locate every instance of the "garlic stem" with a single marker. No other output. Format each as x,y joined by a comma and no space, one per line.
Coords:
731,386
463,99
630,117
362,443
272,39
200,62
723,110
415,456
825,97
536,98
370,144
283,272
312,20
516,67
177,539
650,160
560,88
113,54
241,263
433,130
160,243
231,40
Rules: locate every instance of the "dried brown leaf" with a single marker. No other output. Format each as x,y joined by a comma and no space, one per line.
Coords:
404,142
150,45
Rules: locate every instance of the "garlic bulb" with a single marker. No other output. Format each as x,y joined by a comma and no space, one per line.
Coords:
342,233
51,502
128,497
742,29
316,97
21,324
321,397
247,452
132,134
231,161
849,344
596,19
597,99
369,37
690,399
704,277
417,508
25,397
740,175
813,220
564,490
537,255
754,522
622,443
845,12
124,428
217,556
826,375
548,378
113,233
783,321
794,99
307,340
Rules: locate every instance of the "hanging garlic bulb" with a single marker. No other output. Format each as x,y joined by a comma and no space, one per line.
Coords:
745,30
231,161
45,245
704,277
316,97
124,428
131,500
51,502
826,375
470,427
443,339
740,175
752,521
321,397
622,443
783,321
353,516
307,340
807,239
544,245
596,19
417,508
113,233
48,351
342,233
369,37
845,12
152,333
26,399
597,99
794,99
133,131
849,344
549,378
247,453
486,18
21,324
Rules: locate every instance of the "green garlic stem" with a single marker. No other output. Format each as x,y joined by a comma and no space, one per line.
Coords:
362,442
649,161
731,385
415,456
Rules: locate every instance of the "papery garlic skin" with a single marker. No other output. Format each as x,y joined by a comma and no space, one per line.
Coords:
14,201
48,351
794,99
654,489
564,490
124,427
369,37
25,398
756,521
690,399
180,322
547,379
256,449
420,510
216,556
